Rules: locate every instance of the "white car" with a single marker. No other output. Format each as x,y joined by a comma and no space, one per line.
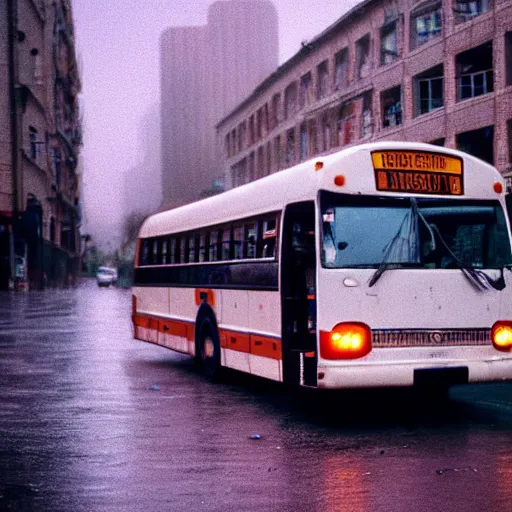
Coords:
106,276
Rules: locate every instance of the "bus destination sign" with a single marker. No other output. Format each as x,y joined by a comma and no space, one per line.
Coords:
418,172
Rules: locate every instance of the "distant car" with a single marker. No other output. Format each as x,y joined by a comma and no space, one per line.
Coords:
106,276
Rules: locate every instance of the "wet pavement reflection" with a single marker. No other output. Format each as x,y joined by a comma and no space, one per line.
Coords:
91,420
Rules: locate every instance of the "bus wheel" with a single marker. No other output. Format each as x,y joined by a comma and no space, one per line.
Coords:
209,349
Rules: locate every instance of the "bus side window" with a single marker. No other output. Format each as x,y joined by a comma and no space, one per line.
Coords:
192,248
164,251
251,239
269,239
238,242
144,252
183,249
203,253
154,256
172,251
213,246
226,244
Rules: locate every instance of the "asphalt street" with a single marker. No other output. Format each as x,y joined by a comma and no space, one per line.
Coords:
92,420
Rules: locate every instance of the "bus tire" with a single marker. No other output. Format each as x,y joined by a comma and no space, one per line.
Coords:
208,346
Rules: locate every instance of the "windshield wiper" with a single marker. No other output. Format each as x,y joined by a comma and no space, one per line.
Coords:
479,279
401,251
391,266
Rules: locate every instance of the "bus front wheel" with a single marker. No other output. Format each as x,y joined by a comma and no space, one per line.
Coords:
209,349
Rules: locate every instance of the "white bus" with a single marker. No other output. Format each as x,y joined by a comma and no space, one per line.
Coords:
384,264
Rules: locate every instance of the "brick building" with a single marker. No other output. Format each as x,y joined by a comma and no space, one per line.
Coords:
40,137
431,71
205,72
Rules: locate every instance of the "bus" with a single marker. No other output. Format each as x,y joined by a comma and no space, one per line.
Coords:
386,264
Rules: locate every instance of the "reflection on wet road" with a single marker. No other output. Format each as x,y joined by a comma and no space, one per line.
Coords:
91,420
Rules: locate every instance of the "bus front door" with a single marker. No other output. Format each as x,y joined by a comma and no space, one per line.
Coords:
298,290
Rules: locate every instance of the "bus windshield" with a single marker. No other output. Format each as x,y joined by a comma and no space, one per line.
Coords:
365,232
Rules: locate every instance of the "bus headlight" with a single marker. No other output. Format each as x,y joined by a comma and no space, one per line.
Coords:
501,335
346,340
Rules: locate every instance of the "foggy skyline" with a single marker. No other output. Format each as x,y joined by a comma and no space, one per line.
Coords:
118,52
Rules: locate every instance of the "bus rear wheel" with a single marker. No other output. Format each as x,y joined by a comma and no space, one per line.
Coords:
209,349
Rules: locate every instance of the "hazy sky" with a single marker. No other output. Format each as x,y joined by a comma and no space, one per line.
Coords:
117,43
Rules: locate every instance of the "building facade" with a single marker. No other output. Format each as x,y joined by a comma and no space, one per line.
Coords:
205,72
429,70
40,137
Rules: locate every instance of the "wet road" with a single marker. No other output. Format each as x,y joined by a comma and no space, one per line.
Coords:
91,420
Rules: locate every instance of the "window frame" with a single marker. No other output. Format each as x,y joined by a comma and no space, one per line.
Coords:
422,12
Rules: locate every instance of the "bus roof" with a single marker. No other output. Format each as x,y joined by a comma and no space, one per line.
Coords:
302,182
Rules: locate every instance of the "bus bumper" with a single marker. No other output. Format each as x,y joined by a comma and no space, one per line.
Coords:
403,375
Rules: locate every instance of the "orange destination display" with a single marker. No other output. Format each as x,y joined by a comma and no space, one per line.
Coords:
418,172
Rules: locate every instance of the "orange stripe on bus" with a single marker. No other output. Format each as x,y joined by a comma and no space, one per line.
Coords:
263,346
141,321
266,347
173,327
235,341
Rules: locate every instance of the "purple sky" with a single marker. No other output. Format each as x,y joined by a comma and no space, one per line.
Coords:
117,43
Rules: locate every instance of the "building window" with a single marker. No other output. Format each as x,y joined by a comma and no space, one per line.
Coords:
259,123
426,24
467,9
366,116
303,141
227,145
312,129
428,91
474,72
306,87
242,128
323,80
341,69
290,147
346,120
479,143
363,56
276,110
252,133
260,163
508,57
327,135
437,142
57,166
277,153
35,146
391,101
290,100
388,43
251,171
233,142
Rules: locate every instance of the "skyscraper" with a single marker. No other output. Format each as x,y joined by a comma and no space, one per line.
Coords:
205,72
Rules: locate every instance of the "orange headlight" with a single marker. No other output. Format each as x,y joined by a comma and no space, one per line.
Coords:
501,335
347,340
